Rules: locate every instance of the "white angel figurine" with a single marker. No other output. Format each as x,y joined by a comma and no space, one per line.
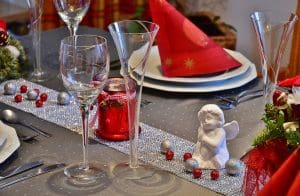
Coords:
211,148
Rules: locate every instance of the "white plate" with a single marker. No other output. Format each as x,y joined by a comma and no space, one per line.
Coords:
231,83
12,141
153,68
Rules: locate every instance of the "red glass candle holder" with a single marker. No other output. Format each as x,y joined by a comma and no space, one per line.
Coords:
113,110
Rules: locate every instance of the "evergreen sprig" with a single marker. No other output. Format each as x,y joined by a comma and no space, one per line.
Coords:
11,67
274,119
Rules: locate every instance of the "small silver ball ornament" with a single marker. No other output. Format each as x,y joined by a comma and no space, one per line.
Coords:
233,167
10,88
63,98
165,146
191,164
32,95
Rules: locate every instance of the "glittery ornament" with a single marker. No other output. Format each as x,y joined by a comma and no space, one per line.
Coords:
191,164
233,167
63,98
18,98
10,88
169,155
214,174
3,38
197,173
32,95
165,146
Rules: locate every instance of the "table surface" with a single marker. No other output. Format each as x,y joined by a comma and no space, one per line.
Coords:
175,113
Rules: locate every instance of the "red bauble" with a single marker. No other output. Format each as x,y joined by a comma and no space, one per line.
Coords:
187,156
214,174
197,173
39,103
3,38
169,155
44,97
18,98
23,89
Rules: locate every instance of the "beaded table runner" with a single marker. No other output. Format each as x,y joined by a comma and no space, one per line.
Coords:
149,141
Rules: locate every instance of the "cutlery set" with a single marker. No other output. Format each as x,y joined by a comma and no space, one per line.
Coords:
26,167
11,117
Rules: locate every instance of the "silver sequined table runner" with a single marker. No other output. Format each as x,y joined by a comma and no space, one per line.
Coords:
149,140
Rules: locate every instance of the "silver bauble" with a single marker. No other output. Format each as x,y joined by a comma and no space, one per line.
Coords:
63,98
10,88
165,146
233,167
191,164
32,95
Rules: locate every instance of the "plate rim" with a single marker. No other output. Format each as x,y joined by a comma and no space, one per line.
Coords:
12,142
220,86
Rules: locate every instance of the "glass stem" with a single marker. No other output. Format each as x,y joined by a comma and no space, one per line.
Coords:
73,29
84,110
133,123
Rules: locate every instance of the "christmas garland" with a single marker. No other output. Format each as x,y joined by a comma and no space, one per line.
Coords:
13,60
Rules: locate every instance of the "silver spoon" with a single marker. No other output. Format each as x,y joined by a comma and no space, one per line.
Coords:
11,117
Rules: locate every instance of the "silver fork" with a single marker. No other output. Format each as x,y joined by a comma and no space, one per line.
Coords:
230,104
236,98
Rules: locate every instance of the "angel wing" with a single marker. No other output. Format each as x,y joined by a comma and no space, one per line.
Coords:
231,129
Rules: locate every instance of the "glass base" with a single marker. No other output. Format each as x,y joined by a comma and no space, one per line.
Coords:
124,171
39,76
80,174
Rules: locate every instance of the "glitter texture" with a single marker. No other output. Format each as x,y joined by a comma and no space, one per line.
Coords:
149,140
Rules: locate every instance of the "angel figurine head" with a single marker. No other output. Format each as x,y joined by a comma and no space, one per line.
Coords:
211,148
211,117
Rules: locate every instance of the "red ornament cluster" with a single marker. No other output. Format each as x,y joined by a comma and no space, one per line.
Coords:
38,103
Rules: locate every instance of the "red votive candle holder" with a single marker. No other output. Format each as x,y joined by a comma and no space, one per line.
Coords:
113,110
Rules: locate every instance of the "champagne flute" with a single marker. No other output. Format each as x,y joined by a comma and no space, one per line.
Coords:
35,11
84,68
72,12
130,37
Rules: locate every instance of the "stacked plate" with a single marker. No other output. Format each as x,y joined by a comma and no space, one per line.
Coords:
211,83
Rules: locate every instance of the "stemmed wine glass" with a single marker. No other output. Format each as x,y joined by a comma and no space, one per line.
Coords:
36,10
72,12
84,69
132,37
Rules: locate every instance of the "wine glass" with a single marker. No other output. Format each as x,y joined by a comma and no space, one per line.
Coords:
35,11
72,12
132,37
84,69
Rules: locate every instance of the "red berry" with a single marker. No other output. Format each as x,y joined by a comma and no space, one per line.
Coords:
44,97
18,98
187,156
37,90
169,155
23,89
197,173
214,174
39,103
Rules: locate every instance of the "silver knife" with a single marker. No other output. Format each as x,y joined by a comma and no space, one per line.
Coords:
38,172
20,169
